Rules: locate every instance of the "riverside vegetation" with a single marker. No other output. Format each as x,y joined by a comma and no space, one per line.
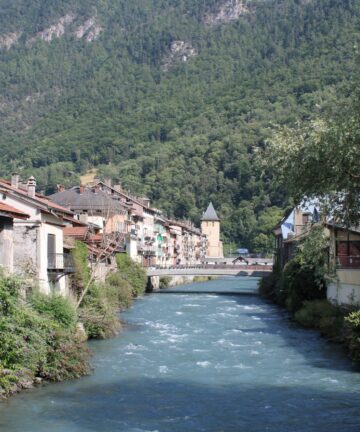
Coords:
300,287
40,338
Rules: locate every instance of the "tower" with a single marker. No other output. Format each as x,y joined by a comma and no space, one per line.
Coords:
210,226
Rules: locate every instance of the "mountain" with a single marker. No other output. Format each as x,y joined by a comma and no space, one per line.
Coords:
169,97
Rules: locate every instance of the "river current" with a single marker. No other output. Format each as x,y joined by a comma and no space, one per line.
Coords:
189,362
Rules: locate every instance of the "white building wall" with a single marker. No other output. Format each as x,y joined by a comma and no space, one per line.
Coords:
7,245
55,282
346,289
30,245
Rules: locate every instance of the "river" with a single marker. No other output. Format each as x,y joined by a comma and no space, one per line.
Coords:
188,362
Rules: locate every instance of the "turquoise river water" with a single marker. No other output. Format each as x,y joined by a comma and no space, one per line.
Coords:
189,362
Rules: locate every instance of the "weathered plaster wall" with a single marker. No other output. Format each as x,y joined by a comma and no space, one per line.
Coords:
6,244
346,290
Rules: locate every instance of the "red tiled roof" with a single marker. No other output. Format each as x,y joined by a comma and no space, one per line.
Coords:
12,211
79,232
38,197
96,238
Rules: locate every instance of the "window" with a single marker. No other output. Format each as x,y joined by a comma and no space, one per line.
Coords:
51,244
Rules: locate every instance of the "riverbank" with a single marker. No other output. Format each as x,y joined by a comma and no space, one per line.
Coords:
43,337
337,324
39,339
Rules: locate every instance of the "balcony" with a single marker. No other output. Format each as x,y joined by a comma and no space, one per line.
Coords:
60,263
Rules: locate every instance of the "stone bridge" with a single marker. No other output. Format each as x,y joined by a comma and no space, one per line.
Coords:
213,270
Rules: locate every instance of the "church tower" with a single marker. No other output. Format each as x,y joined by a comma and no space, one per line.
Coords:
210,226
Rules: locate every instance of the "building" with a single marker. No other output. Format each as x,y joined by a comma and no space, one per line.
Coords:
7,216
210,226
291,229
38,240
345,257
344,251
96,206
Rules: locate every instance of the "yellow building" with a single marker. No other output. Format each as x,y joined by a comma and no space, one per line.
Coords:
210,226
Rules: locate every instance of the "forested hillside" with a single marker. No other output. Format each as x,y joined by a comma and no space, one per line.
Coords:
168,97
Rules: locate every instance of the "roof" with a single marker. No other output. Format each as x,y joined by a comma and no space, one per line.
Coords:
77,232
89,199
12,212
210,214
338,226
38,199
128,197
287,223
75,222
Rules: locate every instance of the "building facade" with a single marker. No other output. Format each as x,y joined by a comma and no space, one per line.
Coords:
38,240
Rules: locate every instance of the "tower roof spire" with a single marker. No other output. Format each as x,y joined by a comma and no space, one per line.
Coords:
210,214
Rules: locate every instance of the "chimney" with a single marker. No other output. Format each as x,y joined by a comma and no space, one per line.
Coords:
84,218
96,188
15,180
31,187
108,182
82,189
60,188
146,201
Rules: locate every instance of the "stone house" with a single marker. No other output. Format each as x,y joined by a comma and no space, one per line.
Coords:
38,240
7,216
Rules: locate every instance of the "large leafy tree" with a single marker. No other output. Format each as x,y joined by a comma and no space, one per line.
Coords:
321,159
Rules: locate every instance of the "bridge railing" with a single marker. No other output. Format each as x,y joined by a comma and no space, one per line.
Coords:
215,267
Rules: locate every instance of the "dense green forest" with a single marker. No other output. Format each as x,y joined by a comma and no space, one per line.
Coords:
183,134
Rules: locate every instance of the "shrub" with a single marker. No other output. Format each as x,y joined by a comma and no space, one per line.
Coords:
67,359
98,314
55,307
268,286
120,290
299,284
133,273
164,282
353,321
35,340
81,265
313,312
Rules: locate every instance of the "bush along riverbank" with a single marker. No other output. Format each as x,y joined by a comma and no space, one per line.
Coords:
301,288
38,339
99,311
297,289
100,306
42,336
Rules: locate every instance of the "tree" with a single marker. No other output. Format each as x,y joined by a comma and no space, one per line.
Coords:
321,159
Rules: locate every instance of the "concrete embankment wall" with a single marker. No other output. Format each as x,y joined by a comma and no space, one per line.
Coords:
154,281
